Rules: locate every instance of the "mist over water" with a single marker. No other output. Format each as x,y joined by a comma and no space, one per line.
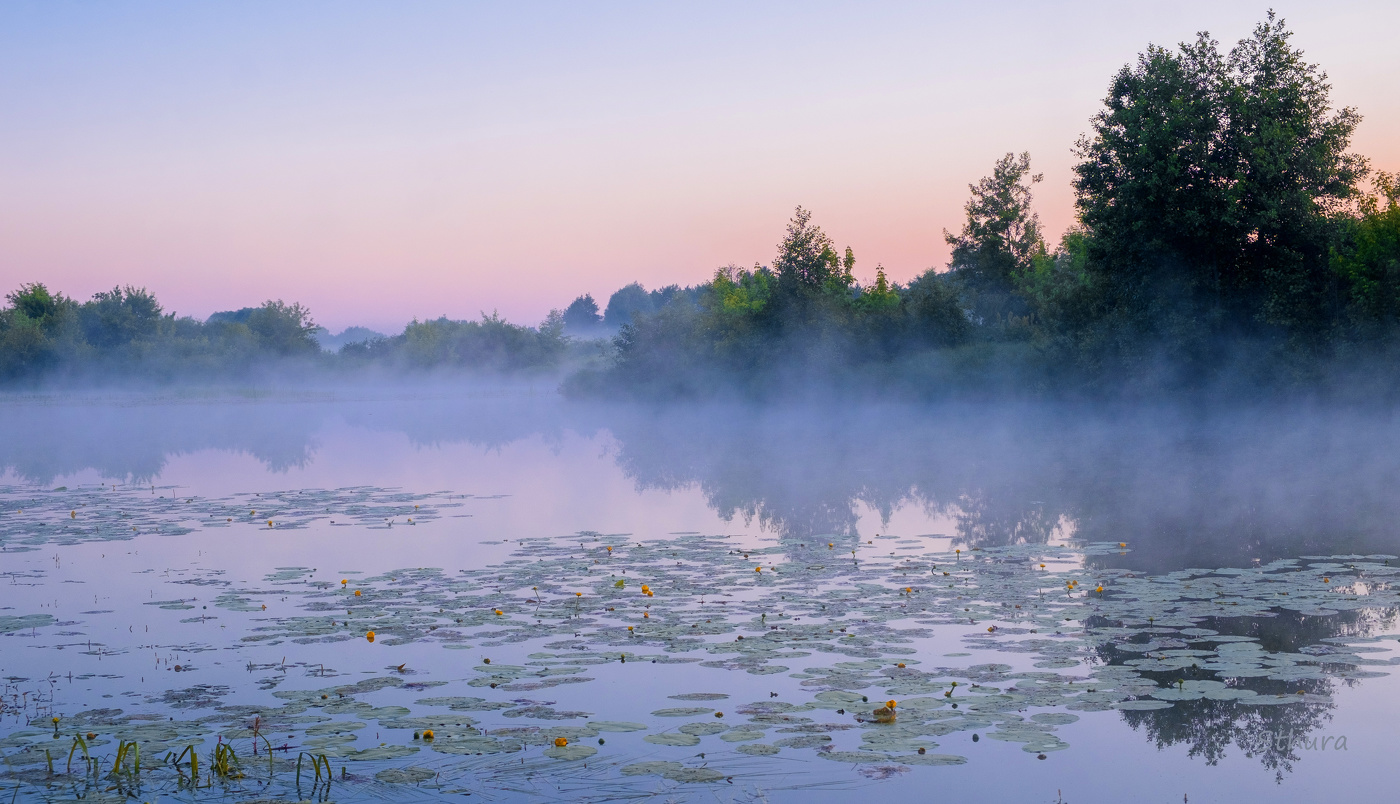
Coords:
1218,484
511,469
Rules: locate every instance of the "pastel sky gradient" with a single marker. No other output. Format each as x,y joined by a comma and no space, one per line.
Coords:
384,161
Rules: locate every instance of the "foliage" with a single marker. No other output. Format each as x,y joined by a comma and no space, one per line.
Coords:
491,343
1207,188
124,334
1002,234
1369,262
582,313
1223,242
632,299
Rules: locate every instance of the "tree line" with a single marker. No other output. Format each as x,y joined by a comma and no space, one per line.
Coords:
125,333
1226,237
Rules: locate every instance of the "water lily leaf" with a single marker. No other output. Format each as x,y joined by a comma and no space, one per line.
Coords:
672,738
408,775
570,752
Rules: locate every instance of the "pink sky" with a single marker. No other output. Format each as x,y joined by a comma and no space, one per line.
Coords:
382,163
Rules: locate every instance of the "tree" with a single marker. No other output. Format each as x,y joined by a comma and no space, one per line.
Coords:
807,263
36,303
31,328
626,302
1206,186
1370,261
1001,234
119,316
582,313
284,329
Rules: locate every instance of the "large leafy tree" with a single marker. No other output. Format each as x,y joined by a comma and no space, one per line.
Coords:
1208,185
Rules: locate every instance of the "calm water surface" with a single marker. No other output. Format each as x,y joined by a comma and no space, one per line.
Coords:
1160,605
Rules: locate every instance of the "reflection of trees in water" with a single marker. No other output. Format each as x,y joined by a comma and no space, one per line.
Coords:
1207,729
1272,734
1209,491
133,439
135,442
1203,495
794,482
986,521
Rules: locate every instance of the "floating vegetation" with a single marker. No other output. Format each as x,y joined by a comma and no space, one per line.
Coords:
887,661
33,519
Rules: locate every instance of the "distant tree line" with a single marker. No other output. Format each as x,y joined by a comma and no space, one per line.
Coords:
1226,238
126,334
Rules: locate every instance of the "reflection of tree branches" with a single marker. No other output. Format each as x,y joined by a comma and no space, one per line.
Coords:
1272,732
1208,728
987,520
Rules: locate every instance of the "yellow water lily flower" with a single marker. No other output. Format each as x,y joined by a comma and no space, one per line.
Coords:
560,742
370,636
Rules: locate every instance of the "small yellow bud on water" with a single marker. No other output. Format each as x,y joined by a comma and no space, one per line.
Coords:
560,742
370,636
427,734
357,593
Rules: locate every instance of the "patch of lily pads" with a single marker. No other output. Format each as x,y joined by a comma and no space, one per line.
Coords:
852,630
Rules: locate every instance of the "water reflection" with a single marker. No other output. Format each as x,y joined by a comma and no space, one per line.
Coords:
1187,489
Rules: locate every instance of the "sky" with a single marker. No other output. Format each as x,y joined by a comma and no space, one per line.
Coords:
381,162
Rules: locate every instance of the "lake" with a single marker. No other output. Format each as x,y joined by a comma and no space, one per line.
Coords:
492,593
